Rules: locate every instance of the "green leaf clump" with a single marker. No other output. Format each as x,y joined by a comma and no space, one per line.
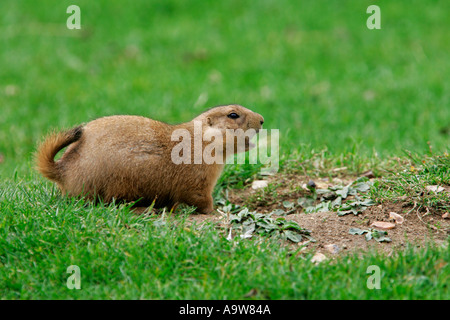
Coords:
249,222
380,236
336,198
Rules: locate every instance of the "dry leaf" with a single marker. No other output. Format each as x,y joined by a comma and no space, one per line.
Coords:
436,189
339,169
396,217
440,264
446,215
383,225
253,292
230,236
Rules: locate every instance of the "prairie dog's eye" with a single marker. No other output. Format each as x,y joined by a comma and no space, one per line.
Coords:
233,115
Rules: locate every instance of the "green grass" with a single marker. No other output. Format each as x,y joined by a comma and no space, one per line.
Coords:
125,256
340,94
409,184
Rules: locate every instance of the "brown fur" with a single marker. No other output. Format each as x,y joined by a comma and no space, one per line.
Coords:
128,158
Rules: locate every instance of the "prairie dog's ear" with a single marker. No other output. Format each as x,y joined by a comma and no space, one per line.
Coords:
209,121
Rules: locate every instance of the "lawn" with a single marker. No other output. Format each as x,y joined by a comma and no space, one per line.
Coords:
342,96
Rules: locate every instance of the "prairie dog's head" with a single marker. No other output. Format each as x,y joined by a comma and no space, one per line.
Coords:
242,122
231,117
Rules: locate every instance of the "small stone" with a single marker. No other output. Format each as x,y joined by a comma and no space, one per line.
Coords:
446,215
311,184
332,248
318,257
258,184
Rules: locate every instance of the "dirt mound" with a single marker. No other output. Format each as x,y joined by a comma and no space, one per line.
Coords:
332,232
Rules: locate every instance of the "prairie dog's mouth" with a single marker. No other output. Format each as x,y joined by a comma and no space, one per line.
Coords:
249,126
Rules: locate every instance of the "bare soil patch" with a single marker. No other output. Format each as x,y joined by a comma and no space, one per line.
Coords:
330,231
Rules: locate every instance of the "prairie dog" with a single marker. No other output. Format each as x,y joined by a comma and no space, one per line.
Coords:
130,158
